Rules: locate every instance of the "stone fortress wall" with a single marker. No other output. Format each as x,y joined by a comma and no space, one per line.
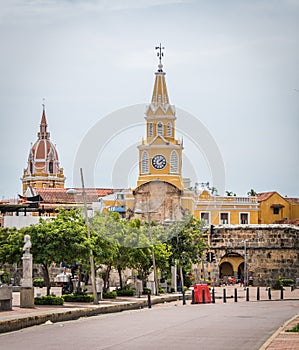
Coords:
272,251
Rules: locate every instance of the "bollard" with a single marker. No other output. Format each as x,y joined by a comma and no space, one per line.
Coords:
193,300
236,295
224,295
281,293
203,296
258,293
149,303
269,293
247,294
213,295
184,297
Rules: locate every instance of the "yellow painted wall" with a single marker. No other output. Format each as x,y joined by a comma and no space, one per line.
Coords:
266,214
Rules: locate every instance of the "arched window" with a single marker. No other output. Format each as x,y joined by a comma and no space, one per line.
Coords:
169,129
31,167
150,129
160,129
51,167
174,162
145,163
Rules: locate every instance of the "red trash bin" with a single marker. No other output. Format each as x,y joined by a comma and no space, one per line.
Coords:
202,294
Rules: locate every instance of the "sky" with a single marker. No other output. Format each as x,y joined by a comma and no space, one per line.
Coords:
232,65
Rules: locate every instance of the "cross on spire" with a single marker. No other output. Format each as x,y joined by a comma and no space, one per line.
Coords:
160,54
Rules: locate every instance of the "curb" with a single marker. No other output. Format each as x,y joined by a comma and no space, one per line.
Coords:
68,315
276,333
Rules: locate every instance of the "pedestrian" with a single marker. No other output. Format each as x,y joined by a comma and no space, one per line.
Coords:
241,281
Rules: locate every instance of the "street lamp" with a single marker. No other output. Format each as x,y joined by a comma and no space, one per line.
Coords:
245,264
139,211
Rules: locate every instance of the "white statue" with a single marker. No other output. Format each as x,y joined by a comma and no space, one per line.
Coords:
27,244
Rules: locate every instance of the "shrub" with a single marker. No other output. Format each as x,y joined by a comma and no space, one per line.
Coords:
147,291
4,277
287,282
48,300
283,282
161,290
109,295
125,292
38,282
78,297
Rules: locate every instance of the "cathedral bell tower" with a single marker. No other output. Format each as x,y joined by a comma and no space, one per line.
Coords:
43,170
159,190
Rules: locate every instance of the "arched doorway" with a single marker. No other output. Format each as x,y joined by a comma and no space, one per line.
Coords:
241,270
226,270
231,265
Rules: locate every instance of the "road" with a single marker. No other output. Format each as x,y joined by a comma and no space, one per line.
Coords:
169,326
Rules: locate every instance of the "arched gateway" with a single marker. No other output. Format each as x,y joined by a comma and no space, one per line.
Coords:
231,265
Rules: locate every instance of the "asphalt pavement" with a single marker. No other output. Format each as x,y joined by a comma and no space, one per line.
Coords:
272,338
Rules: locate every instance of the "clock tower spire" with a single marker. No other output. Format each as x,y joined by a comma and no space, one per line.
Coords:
160,154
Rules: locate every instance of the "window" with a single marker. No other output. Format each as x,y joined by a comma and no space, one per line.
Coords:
174,162
159,128
224,218
145,163
244,218
120,196
169,129
204,216
150,129
275,211
51,167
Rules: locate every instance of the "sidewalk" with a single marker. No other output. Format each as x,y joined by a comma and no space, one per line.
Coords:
282,339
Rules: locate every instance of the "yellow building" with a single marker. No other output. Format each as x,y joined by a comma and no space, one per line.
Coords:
43,169
273,208
230,210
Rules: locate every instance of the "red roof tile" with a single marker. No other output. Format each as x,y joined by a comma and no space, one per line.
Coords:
263,196
66,195
293,200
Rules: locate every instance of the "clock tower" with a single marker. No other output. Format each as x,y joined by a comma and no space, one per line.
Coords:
160,153
159,192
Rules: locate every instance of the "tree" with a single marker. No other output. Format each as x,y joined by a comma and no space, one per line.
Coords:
230,193
187,243
214,190
251,192
11,243
63,238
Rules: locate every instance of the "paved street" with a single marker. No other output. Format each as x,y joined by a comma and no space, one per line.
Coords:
169,326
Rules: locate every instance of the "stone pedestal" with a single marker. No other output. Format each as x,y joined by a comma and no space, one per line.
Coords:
27,270
27,297
174,278
27,290
5,298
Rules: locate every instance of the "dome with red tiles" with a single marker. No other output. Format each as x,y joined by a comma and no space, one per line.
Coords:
43,168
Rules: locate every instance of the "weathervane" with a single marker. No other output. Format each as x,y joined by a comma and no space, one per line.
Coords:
160,54
44,103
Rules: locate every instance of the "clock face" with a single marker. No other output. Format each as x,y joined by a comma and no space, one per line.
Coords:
159,161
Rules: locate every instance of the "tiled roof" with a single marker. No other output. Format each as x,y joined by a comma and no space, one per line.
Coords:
263,196
74,195
288,222
293,200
